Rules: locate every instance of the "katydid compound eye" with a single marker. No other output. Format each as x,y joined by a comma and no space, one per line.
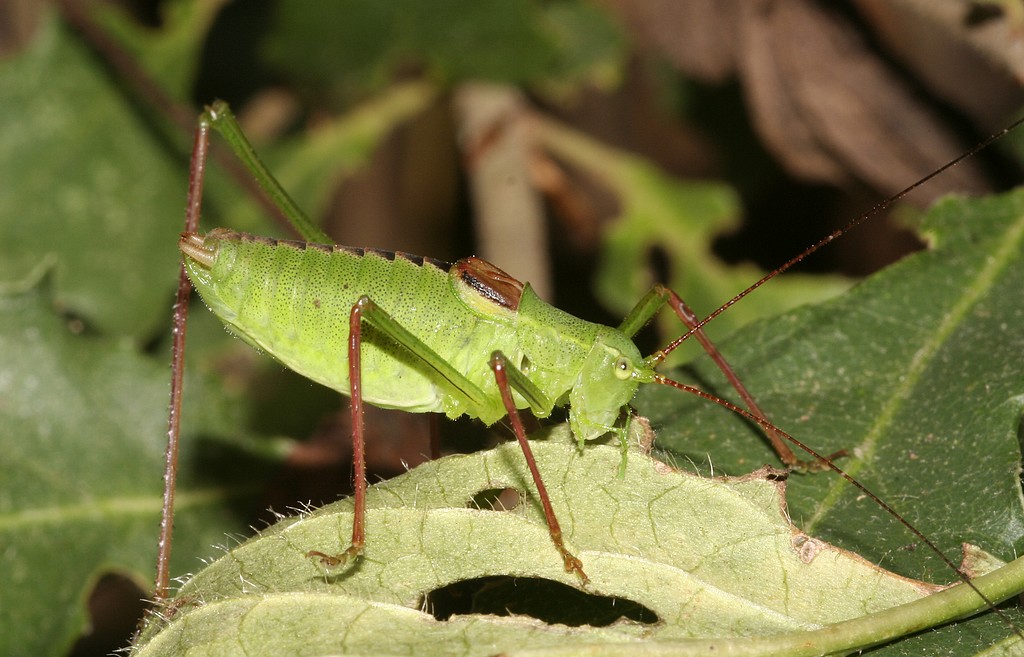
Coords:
623,368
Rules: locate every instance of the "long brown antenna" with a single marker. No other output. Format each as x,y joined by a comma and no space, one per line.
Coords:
882,205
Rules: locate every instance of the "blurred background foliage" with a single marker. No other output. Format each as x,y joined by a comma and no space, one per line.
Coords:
590,147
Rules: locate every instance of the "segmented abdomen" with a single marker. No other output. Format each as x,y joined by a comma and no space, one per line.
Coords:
293,300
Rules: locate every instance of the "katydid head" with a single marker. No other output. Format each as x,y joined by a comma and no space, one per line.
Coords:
610,376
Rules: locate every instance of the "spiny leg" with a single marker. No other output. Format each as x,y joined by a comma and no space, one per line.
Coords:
218,117
499,364
197,169
659,296
365,310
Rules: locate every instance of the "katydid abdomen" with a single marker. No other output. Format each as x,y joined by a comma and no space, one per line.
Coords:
293,299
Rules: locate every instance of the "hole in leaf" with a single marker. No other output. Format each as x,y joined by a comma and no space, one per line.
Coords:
495,499
116,604
543,599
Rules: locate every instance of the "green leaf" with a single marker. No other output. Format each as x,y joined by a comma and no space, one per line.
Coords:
708,558
94,201
82,426
88,188
917,372
95,192
514,41
172,53
80,204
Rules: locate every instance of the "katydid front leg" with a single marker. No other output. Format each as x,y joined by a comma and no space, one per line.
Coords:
501,376
649,306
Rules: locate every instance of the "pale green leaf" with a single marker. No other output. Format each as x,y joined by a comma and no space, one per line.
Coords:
710,559
172,53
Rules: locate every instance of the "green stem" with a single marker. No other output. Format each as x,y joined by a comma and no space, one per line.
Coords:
856,634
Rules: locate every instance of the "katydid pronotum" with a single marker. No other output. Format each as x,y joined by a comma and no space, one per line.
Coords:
422,336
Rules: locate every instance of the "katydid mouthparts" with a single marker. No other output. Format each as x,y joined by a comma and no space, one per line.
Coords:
417,334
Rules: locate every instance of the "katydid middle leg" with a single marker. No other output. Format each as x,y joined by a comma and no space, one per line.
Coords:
650,304
366,310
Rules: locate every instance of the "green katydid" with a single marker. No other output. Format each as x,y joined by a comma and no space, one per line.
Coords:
445,340
423,336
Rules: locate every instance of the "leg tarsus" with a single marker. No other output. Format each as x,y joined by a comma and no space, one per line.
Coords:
333,561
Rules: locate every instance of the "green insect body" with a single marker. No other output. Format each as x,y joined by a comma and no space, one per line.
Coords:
293,299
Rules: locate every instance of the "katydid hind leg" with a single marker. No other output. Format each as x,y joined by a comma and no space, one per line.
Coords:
499,365
197,170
